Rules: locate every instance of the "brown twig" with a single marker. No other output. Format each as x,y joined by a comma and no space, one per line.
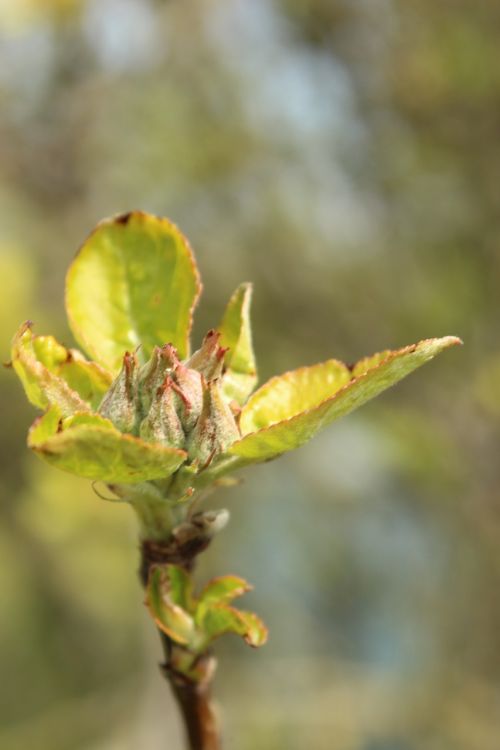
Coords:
193,694
195,702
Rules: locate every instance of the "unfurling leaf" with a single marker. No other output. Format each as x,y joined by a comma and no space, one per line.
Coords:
42,385
88,379
196,621
236,334
170,617
219,619
181,587
134,282
222,590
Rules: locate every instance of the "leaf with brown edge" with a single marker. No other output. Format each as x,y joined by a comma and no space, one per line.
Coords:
220,591
133,282
88,379
293,392
369,363
256,633
89,446
240,375
42,385
273,421
171,618
219,619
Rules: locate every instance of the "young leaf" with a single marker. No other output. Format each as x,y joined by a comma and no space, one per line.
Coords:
42,386
134,282
45,426
89,446
49,351
265,437
169,616
219,619
294,392
368,363
88,379
222,590
180,586
236,334
255,631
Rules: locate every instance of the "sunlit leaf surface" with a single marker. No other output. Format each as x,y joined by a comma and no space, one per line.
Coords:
241,374
89,446
39,371
288,411
134,283
220,619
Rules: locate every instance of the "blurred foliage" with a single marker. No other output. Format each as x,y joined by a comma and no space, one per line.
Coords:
343,156
16,16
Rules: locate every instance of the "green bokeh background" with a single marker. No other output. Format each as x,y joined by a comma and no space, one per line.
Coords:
344,156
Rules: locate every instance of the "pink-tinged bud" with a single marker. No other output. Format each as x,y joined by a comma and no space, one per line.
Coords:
209,359
162,424
215,430
120,403
152,374
190,395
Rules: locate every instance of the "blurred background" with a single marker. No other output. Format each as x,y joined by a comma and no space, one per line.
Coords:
343,155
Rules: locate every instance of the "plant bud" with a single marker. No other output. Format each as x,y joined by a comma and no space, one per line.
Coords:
209,359
202,525
119,404
162,424
190,395
216,428
152,374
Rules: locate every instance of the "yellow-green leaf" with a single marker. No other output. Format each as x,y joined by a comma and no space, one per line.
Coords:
220,618
255,631
42,385
294,392
273,423
170,617
89,446
241,372
45,426
221,590
49,351
368,363
134,282
181,586
88,379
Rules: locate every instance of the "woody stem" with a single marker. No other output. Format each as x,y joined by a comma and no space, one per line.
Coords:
193,696
195,703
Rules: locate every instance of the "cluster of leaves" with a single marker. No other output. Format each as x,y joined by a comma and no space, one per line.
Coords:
158,423
133,287
196,621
